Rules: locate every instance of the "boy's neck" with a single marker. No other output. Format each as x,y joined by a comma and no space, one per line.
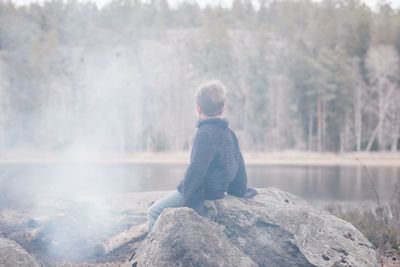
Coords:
202,117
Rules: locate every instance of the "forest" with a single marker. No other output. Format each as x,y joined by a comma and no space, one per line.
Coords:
301,75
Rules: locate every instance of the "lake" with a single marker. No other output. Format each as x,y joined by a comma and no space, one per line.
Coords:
325,183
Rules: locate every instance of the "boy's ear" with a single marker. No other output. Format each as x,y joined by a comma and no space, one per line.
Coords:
198,108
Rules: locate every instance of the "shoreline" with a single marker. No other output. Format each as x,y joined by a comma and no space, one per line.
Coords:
251,158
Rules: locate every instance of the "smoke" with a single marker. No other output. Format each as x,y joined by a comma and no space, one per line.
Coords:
79,127
81,123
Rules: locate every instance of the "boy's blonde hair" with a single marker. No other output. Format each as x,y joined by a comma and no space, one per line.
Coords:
211,97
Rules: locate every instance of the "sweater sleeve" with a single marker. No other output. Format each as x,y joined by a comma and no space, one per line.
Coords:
203,152
239,184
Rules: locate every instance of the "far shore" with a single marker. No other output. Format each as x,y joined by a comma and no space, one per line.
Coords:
294,158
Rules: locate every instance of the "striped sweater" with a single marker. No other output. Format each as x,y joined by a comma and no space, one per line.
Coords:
216,165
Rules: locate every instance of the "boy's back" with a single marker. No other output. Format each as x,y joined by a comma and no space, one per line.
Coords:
216,164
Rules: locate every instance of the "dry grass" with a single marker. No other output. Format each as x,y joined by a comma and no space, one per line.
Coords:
380,225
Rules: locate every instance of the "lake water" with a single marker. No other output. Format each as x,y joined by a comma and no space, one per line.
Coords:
325,183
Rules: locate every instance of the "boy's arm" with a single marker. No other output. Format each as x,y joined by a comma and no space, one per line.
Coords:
193,183
238,186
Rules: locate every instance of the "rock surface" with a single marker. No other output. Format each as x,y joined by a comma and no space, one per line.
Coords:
182,238
13,255
274,228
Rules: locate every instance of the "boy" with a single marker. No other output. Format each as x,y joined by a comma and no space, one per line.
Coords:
216,163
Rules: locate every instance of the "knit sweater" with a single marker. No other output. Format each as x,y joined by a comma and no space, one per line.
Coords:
216,165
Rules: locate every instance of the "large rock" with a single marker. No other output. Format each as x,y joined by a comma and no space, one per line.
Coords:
274,228
182,238
13,255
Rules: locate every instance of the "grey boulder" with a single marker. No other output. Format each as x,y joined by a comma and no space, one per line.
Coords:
274,228
13,255
183,238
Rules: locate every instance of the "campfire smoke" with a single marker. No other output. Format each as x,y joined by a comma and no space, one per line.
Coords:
65,190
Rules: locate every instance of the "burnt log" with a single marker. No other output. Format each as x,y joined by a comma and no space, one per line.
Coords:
134,233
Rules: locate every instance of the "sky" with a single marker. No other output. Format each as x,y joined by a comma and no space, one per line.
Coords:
202,3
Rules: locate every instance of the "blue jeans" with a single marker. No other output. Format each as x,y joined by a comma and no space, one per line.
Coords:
172,200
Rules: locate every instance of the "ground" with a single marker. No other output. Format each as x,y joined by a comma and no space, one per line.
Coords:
256,158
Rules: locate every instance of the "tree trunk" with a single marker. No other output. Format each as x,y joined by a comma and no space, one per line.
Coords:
310,129
395,132
319,122
358,117
381,116
378,131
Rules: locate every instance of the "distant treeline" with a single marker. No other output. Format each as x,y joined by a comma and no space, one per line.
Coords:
301,75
